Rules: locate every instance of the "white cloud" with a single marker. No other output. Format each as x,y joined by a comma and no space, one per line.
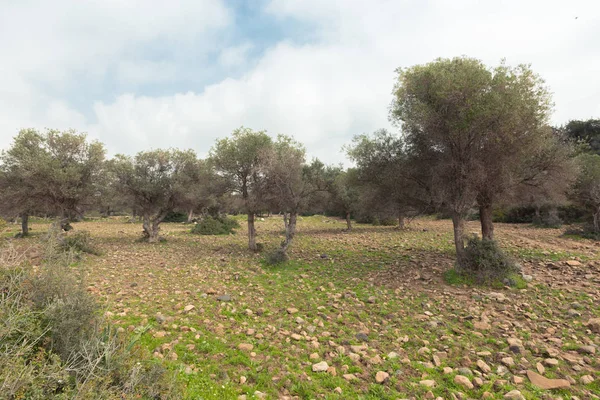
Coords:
335,85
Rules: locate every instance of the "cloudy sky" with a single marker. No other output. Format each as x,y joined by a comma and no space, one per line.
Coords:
140,74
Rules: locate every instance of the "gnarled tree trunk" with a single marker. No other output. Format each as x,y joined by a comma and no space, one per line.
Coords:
251,232
597,221
25,224
458,222
290,232
348,221
487,225
401,221
190,216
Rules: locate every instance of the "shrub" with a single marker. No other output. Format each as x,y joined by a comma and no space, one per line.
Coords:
55,344
79,242
486,262
215,226
586,232
3,224
176,216
277,257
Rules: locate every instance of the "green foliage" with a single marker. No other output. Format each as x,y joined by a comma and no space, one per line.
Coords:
586,191
485,262
215,226
56,345
176,216
587,132
80,242
277,257
3,224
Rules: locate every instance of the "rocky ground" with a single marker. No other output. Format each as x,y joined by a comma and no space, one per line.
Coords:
359,315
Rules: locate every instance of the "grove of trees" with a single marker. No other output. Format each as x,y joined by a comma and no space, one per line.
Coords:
471,139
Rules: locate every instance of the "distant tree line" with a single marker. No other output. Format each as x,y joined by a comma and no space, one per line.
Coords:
471,139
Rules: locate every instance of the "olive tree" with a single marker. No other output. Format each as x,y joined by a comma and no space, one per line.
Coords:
238,159
586,191
475,125
389,180
157,182
57,172
290,182
344,190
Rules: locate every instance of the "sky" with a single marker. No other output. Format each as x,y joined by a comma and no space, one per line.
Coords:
144,74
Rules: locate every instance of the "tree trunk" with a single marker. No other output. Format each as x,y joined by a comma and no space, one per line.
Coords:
348,222
458,222
290,232
285,220
401,221
154,228
190,216
597,221
25,224
251,232
146,225
487,225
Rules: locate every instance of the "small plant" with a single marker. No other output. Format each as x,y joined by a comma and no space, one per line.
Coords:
215,226
277,257
485,262
80,242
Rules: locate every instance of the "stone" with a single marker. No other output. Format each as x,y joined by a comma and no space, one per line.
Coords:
245,346
483,367
381,376
224,298
363,337
508,361
292,310
428,383
332,371
320,366
594,325
514,395
188,308
295,336
517,380
497,296
551,362
314,356
243,380
392,355
545,383
586,379
349,377
527,278
540,368
447,370
338,390
463,381
587,349
573,263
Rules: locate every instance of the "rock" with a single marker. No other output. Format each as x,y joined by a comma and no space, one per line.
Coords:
514,395
428,383
372,299
260,395
545,383
338,390
392,355
508,361
573,263
497,296
463,381
243,380
295,336
517,380
447,370
363,337
586,379
540,368
225,298
465,371
299,320
245,346
527,278
594,325
483,367
320,366
551,362
292,310
161,319
587,349
332,371
349,377
482,326
381,376
188,308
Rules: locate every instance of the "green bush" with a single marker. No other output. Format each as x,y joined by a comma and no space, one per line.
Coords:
56,344
215,226
485,262
277,257
176,216
78,242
